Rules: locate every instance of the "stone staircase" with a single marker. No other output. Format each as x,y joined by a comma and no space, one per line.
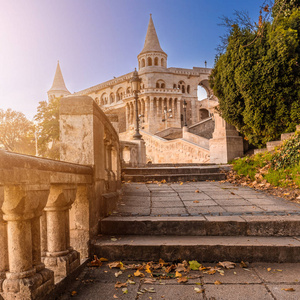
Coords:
174,173
241,233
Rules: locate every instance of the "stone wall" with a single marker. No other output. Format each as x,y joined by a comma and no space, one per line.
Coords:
204,128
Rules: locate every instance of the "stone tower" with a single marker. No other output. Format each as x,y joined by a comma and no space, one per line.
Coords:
58,88
152,55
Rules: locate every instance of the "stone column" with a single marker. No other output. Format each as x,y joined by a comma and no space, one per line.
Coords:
27,277
194,111
60,257
127,116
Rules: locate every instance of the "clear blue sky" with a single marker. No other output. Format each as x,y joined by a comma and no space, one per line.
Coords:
95,40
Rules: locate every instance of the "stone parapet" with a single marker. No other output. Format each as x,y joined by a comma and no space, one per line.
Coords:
25,192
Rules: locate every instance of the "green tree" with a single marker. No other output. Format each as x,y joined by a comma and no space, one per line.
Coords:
47,119
16,132
257,78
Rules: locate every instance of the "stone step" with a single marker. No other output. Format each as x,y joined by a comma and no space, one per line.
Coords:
150,165
174,178
171,170
203,226
200,248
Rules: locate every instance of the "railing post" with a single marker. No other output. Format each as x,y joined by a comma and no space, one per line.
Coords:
27,277
60,257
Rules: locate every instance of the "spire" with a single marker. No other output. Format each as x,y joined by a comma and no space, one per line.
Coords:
151,41
58,85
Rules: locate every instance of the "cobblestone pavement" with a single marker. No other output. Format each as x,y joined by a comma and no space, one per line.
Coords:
199,198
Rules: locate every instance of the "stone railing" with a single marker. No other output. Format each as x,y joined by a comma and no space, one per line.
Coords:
160,150
172,132
199,140
50,210
129,154
36,196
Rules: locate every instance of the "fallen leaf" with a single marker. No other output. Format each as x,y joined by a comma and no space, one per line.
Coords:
138,274
278,270
197,290
113,239
103,259
116,264
197,191
149,280
96,262
269,269
148,270
181,183
182,279
244,264
118,274
289,290
177,274
74,293
130,281
194,265
162,262
227,264
217,282
125,291
116,297
196,201
120,284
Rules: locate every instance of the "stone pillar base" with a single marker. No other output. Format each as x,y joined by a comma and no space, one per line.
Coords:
37,286
62,265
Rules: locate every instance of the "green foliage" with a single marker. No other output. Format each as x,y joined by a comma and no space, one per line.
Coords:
257,79
47,119
288,154
282,168
16,132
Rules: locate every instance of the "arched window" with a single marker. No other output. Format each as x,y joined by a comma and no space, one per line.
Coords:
203,114
181,85
156,61
160,84
104,99
143,63
120,94
111,98
162,62
149,61
174,86
201,92
128,90
188,89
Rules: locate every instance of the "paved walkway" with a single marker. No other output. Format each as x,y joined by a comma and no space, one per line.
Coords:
200,198
209,200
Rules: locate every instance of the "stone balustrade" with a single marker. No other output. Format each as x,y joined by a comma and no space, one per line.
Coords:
178,150
35,199
50,210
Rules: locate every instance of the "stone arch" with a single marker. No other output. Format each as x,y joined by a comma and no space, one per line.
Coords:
203,114
156,61
203,90
160,84
111,98
104,99
181,86
120,94
149,61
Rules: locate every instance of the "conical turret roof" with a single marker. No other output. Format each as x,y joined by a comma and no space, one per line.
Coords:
151,40
58,82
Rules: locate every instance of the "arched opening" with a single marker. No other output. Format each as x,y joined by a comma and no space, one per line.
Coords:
162,62
149,61
104,99
128,91
119,94
162,85
143,63
181,86
203,114
156,61
111,98
188,89
201,93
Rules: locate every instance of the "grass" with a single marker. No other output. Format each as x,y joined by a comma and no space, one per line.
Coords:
281,168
